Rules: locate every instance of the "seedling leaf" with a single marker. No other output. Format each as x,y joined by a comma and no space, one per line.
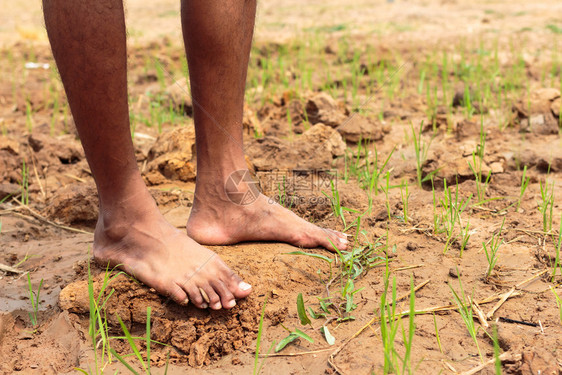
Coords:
331,340
301,311
300,333
286,341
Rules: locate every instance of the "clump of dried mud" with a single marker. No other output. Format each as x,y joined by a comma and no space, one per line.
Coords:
197,337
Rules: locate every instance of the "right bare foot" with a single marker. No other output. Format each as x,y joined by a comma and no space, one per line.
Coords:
142,243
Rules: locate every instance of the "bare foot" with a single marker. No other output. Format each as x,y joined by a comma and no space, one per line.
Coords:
216,220
147,247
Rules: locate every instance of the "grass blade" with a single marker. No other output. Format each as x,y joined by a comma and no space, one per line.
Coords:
319,256
127,365
131,342
258,342
148,311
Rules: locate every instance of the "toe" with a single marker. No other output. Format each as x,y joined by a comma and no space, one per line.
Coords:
227,298
236,286
195,297
233,282
332,239
211,297
178,295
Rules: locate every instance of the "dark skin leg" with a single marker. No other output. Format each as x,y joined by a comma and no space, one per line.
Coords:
89,45
218,37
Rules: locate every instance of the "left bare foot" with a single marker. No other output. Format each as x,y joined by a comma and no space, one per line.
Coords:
217,220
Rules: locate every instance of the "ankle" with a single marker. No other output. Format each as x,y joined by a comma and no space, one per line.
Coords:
116,218
238,188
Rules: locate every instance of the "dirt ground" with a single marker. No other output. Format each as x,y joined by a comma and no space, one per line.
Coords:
333,90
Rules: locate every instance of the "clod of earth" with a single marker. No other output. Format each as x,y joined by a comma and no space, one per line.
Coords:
359,128
538,113
172,157
321,107
63,205
314,149
199,336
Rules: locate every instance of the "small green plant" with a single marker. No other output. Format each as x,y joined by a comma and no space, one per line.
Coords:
98,329
130,340
451,208
524,183
390,322
421,148
24,187
465,310
367,172
28,116
284,198
556,264
348,306
497,360
34,298
296,333
558,302
387,196
546,205
337,209
465,236
160,73
555,29
293,335
491,250
477,163
258,341
375,173
437,333
408,338
481,184
352,263
405,195
389,325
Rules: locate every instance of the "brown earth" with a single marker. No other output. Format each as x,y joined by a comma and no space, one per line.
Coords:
303,138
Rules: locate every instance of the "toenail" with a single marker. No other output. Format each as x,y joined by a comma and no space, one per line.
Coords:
204,295
230,304
217,306
185,302
204,305
343,240
244,286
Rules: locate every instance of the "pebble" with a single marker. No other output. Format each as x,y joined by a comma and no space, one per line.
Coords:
453,272
412,246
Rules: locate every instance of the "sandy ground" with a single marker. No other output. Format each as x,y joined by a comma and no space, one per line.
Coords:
62,193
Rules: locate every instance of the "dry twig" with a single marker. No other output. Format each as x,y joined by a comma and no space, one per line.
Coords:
34,214
504,357
6,268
